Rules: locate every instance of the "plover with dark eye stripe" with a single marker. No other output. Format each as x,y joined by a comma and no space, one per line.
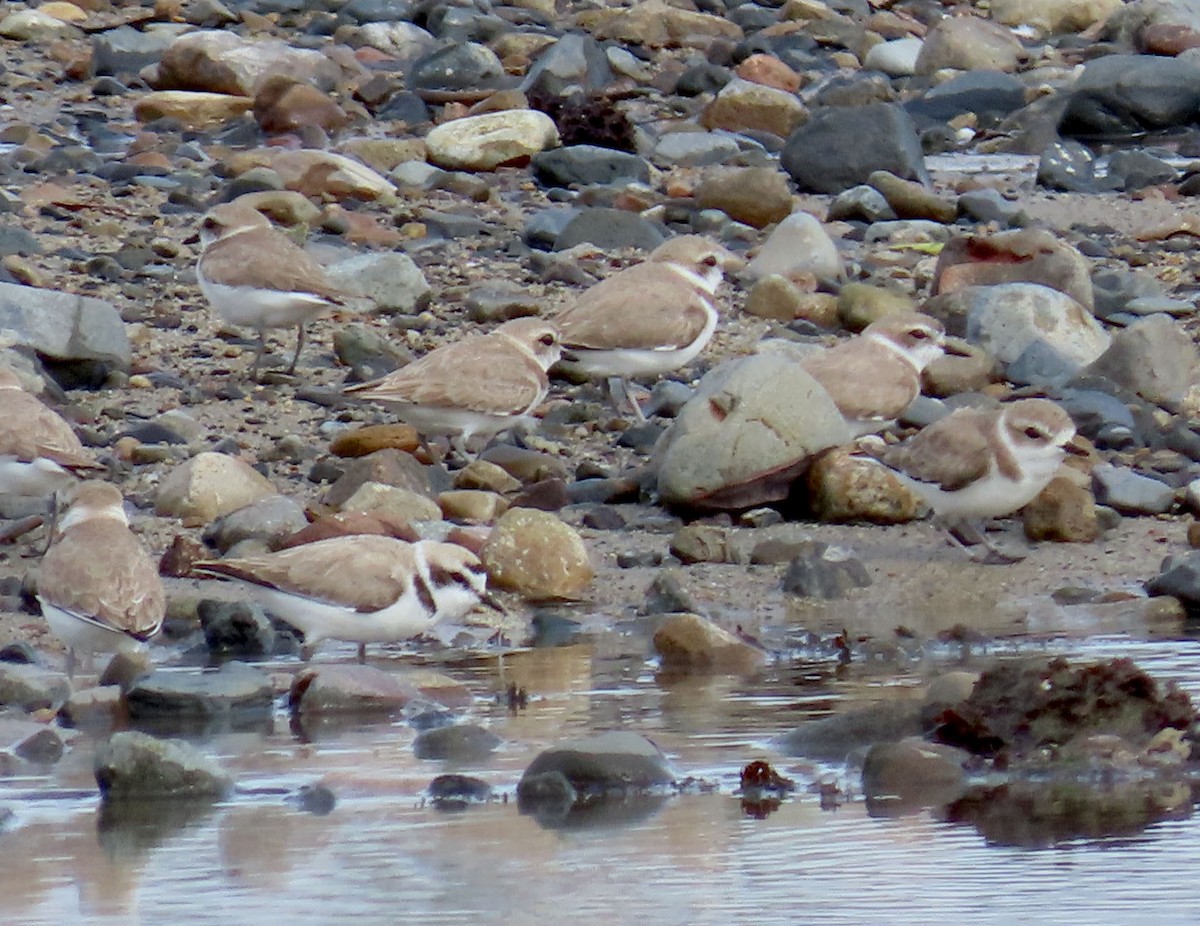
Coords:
39,452
872,378
361,589
481,385
648,319
255,276
99,589
977,464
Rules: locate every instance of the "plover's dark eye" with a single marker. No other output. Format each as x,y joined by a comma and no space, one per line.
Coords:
1033,433
708,260
547,340
919,334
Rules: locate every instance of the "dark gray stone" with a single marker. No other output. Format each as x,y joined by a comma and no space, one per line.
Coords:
63,325
125,50
1068,166
575,61
1041,365
1180,578
137,765
834,738
615,763
457,67
348,689
236,628
610,230
588,165
454,792
822,571
17,240
1134,170
1120,95
466,742
1131,493
991,95
841,147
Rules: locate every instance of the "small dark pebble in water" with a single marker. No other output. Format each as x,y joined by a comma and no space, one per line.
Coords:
315,799
456,792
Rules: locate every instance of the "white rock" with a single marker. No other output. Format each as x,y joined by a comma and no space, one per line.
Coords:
210,485
897,58
485,142
1006,319
798,245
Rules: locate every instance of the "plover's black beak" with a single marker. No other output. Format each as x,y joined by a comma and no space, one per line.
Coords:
1078,446
957,347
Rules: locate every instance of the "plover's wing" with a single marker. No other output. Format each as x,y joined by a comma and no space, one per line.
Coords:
29,430
485,374
645,307
364,572
951,453
264,258
99,570
864,380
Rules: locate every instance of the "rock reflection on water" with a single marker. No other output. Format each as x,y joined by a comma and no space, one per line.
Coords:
820,853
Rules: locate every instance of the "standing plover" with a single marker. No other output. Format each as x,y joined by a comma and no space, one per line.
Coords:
98,587
481,385
977,464
648,319
253,275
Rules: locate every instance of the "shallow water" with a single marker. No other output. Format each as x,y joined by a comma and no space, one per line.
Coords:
382,853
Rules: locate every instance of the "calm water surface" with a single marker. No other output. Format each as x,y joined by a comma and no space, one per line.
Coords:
382,856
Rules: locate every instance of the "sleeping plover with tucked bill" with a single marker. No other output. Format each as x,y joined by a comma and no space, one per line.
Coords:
39,452
872,378
364,588
255,276
976,464
98,587
481,385
648,319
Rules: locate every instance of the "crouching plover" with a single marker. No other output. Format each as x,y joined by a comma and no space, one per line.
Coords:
99,589
255,276
874,377
362,589
647,319
480,385
39,453
977,464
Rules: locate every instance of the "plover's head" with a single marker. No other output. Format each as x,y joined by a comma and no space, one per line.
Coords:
229,219
919,338
1037,427
537,337
697,254
89,501
457,579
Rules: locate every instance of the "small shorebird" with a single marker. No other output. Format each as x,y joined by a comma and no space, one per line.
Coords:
39,452
363,588
872,378
253,275
648,319
99,589
977,464
480,385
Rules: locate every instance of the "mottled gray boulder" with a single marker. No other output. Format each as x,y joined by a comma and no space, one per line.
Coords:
235,690
841,146
1179,578
457,67
137,765
63,325
388,278
613,764
1127,94
746,434
1154,358
991,95
1005,320
236,628
28,741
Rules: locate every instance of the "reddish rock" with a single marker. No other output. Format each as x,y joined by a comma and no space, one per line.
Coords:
769,71
284,104
345,523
